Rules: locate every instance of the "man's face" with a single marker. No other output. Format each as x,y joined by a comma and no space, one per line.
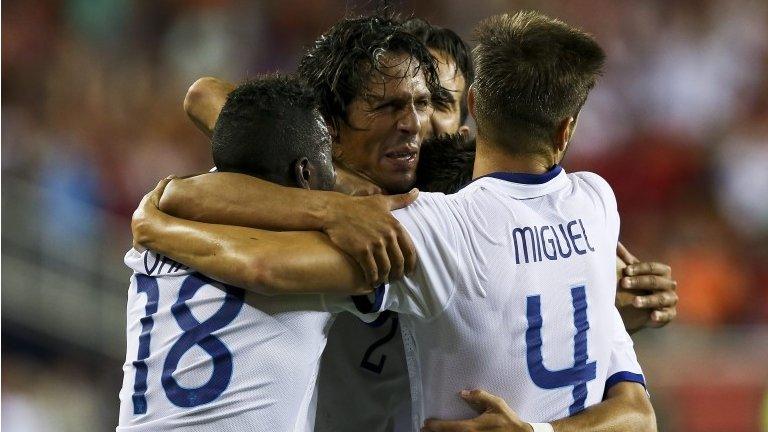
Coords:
387,123
446,116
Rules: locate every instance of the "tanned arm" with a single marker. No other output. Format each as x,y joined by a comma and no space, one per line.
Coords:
626,408
361,226
261,261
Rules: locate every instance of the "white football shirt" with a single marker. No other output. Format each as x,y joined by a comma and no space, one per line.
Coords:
514,293
205,356
363,382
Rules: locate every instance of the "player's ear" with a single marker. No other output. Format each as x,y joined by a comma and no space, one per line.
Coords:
563,133
471,101
302,171
464,132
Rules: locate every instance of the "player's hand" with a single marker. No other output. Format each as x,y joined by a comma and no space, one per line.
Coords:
145,214
353,183
364,228
646,295
495,416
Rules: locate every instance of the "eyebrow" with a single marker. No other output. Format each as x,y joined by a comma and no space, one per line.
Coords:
445,95
403,99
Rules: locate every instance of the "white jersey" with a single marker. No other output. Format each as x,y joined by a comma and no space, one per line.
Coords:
363,383
205,356
514,293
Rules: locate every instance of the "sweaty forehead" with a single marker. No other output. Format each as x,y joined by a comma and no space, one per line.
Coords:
451,78
398,75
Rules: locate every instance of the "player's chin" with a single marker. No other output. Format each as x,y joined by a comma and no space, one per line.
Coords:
398,182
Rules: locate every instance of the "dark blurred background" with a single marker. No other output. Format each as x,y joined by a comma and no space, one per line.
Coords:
92,118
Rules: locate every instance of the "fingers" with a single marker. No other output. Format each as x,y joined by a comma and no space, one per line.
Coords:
366,261
402,200
659,300
624,254
662,317
383,264
482,401
396,258
434,425
648,268
153,196
648,282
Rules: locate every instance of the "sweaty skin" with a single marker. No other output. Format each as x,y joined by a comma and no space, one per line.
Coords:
446,116
215,250
384,128
646,298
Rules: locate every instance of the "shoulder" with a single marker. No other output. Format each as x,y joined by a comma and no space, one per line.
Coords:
428,204
594,184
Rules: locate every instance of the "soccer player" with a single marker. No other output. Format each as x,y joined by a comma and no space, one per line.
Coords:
206,356
382,361
557,155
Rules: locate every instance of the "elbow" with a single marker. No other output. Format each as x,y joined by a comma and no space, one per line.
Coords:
172,197
260,277
197,94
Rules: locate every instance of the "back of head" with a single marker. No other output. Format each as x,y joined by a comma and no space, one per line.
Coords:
340,64
445,163
266,125
448,42
532,72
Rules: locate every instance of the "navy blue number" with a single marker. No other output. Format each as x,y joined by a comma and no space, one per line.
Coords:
147,285
378,367
199,333
581,372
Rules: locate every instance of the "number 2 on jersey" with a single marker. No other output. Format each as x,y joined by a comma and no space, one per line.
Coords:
378,367
581,372
195,333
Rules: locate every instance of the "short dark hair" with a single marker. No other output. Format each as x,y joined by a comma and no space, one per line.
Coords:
532,72
447,41
445,163
339,64
266,125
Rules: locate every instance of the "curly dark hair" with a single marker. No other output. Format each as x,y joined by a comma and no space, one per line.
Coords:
445,164
339,64
447,41
267,124
532,71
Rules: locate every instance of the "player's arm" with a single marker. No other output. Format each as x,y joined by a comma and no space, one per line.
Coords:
360,226
204,100
262,261
626,408
646,295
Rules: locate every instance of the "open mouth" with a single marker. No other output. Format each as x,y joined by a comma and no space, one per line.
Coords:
401,155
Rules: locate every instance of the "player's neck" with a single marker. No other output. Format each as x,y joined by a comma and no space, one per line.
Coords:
490,159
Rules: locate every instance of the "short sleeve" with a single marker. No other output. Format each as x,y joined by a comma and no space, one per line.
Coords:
623,365
368,308
606,197
427,291
431,224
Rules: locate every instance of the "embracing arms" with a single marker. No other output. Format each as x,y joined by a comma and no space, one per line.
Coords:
362,227
265,262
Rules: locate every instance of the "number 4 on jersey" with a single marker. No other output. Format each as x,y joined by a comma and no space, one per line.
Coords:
581,372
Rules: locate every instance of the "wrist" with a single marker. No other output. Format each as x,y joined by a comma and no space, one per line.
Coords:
322,211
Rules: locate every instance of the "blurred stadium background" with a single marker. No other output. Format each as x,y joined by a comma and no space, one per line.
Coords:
92,118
